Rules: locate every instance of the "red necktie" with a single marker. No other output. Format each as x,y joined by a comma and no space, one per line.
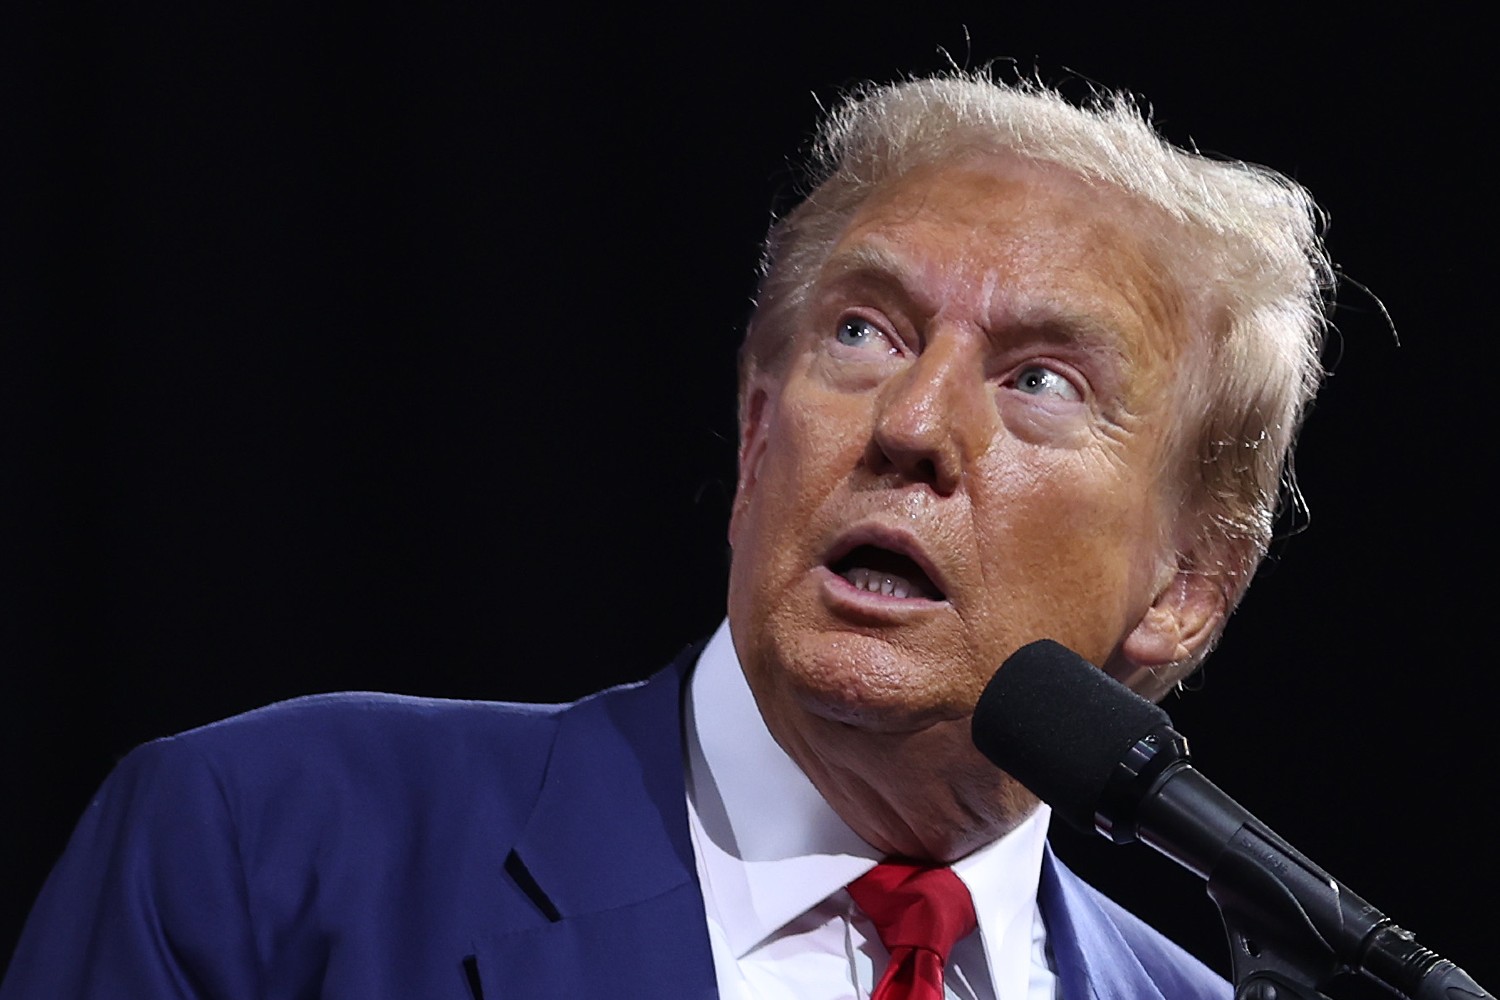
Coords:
920,914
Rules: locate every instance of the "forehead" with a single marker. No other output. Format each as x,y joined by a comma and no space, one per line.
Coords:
1016,245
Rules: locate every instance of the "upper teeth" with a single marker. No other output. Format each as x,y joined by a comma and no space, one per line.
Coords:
878,583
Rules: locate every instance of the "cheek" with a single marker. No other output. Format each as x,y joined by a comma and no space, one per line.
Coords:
800,469
813,450
1069,546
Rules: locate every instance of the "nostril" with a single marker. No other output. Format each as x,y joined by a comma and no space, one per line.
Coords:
911,465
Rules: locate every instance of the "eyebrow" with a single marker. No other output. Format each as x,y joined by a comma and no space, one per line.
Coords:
867,260
877,265
1056,322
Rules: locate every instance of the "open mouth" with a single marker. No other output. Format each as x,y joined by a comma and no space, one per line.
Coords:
881,571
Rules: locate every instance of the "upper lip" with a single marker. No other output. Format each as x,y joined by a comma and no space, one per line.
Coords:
885,537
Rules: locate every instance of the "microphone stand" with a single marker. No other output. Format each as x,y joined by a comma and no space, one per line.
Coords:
1277,950
1292,927
1107,759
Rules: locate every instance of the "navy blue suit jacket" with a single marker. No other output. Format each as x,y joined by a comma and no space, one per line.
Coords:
373,847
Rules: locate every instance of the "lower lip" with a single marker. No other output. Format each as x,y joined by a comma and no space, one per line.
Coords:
845,598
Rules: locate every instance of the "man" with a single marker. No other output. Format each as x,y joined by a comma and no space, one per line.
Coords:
1017,370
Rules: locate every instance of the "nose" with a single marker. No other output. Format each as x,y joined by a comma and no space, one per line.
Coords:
934,417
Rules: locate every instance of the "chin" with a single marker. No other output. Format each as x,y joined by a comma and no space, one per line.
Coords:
865,682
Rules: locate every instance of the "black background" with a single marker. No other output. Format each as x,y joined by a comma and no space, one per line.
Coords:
394,349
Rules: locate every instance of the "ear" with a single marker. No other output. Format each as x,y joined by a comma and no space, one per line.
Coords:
1176,630
754,432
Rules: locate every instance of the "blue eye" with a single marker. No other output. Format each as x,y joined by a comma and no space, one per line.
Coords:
856,332
1037,380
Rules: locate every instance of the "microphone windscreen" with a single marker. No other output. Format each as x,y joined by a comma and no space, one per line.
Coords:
1059,725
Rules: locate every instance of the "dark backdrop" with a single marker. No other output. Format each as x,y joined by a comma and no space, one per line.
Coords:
393,349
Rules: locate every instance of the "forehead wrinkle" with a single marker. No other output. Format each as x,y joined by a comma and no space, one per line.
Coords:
988,290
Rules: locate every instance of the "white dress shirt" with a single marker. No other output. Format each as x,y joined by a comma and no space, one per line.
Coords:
774,858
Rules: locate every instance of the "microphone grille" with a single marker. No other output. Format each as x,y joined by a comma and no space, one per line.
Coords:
1059,725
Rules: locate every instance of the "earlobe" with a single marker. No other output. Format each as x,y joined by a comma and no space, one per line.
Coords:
1177,627
754,415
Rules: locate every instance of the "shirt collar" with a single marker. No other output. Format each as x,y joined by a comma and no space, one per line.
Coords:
772,848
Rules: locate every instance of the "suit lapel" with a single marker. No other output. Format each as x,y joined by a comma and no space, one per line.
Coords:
1094,961
607,860
607,863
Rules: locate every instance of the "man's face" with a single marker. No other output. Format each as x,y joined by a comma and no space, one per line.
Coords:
964,451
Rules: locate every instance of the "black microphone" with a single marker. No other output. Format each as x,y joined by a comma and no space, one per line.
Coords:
1107,760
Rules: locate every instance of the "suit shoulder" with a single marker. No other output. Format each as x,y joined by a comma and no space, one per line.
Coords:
364,826
1176,971
356,717
367,754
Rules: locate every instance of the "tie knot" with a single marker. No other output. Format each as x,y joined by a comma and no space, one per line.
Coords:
915,907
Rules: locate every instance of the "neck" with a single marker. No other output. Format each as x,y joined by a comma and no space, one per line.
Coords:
925,795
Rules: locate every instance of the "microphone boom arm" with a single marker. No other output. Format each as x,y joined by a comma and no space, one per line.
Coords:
1106,759
1292,927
